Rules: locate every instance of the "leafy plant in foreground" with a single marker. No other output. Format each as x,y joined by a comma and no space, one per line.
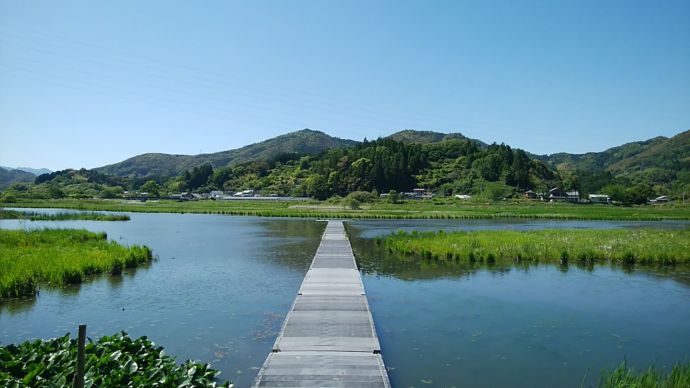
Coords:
113,361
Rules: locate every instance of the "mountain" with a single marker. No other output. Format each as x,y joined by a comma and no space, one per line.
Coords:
35,171
9,177
306,141
411,136
654,159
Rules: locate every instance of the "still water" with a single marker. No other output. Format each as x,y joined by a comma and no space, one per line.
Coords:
222,286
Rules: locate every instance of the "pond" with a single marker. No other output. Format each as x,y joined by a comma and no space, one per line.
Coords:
222,286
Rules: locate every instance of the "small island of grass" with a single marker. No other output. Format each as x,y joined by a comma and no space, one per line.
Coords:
56,257
644,246
624,376
64,216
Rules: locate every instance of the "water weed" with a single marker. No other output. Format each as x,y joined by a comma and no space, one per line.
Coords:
61,256
112,361
63,216
642,246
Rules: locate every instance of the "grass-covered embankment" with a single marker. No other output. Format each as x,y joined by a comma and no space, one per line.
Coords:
60,256
624,377
645,246
80,216
112,361
440,208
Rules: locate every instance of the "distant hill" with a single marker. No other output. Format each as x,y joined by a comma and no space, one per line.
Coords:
306,141
444,163
10,177
411,136
35,171
653,159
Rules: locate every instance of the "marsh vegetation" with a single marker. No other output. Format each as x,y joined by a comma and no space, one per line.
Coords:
441,208
643,246
31,258
61,216
624,377
112,361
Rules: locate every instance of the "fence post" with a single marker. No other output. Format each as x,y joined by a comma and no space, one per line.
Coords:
79,375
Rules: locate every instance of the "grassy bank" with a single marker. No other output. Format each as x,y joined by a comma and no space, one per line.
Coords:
31,258
624,377
645,246
112,361
425,209
64,216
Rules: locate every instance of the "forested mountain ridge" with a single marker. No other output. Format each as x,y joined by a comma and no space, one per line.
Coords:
657,161
451,166
34,171
411,136
446,164
163,166
9,177
602,160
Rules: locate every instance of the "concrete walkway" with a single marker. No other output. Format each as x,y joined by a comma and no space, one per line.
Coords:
328,338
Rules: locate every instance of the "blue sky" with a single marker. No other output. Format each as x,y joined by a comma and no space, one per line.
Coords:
84,83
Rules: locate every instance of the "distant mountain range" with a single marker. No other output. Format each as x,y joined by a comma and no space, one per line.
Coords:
657,155
306,141
660,155
658,159
34,171
429,137
11,176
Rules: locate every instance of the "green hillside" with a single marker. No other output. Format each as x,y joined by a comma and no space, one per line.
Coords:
660,161
593,161
163,166
411,136
10,177
311,163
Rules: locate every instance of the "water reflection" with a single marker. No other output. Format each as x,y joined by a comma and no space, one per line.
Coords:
218,293
449,323
375,260
20,305
293,249
222,286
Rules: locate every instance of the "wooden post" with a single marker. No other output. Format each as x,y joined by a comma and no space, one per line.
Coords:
79,375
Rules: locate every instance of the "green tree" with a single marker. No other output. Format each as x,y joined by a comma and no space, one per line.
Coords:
54,191
352,203
111,192
152,188
394,197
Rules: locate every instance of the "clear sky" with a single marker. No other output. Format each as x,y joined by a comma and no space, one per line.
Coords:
89,83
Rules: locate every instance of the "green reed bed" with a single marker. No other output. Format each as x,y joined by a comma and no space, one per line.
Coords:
55,257
81,216
112,361
625,377
422,209
644,246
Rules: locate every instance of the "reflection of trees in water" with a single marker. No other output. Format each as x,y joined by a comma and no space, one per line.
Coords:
17,306
20,305
291,242
375,260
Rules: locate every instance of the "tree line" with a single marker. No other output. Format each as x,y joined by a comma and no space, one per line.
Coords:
457,166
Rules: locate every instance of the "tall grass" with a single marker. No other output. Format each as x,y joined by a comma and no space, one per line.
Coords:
624,377
63,216
425,209
55,257
644,246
